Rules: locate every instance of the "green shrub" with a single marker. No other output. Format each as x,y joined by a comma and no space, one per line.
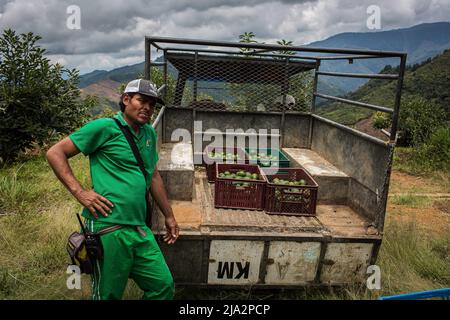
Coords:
37,98
381,120
419,118
435,153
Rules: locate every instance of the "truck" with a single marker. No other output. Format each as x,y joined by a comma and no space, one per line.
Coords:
226,92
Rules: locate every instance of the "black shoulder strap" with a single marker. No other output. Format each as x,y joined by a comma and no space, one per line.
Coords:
149,201
126,131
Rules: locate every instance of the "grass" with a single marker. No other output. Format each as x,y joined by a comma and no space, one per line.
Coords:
412,201
38,215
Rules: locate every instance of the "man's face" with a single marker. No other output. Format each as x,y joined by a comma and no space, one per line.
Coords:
139,108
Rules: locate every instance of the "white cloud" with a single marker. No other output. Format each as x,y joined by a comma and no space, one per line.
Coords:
112,31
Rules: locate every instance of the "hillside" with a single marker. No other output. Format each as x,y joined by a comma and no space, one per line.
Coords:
122,74
106,92
420,42
431,80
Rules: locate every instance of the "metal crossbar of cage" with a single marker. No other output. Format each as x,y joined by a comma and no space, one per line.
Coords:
253,77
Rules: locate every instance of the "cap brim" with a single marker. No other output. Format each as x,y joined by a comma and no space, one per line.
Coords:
158,100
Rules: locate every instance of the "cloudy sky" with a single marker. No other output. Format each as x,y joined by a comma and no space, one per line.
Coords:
112,32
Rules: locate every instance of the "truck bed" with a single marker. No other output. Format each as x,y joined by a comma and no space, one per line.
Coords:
199,215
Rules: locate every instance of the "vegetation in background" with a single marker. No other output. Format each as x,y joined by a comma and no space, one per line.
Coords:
419,118
422,127
247,37
424,112
38,99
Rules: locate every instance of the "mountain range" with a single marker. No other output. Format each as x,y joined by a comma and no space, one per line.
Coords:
420,42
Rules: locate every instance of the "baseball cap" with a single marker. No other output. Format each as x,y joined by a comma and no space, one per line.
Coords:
146,88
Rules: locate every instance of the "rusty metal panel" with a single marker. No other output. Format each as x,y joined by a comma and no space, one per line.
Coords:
346,262
234,262
292,262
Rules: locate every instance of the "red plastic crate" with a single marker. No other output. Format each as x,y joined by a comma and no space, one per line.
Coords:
210,163
228,194
290,200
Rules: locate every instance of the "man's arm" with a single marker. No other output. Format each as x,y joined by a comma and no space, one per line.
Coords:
160,195
57,157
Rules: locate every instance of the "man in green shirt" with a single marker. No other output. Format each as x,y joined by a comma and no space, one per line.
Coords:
117,196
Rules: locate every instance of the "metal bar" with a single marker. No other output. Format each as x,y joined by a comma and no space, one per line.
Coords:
179,88
205,259
384,197
258,51
285,90
264,261
323,250
313,104
398,96
194,113
159,117
157,46
258,286
242,54
275,47
387,133
349,57
356,103
165,91
195,75
211,88
276,236
360,75
374,254
147,59
165,77
353,131
299,113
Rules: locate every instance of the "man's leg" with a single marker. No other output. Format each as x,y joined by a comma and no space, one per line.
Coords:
111,273
150,271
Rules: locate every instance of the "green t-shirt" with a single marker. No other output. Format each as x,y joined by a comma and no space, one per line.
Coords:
115,173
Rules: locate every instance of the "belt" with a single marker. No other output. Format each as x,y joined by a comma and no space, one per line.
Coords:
118,226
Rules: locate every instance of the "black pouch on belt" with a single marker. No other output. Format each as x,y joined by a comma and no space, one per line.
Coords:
86,247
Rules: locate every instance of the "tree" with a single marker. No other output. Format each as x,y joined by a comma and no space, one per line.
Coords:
37,98
284,42
247,37
419,118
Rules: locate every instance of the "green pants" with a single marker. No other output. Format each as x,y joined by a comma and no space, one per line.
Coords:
129,253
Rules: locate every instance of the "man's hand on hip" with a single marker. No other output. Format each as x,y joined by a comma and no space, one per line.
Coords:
94,202
172,230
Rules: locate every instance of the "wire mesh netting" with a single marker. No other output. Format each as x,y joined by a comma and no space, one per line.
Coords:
237,82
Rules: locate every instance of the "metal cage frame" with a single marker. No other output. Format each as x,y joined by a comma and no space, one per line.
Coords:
197,47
